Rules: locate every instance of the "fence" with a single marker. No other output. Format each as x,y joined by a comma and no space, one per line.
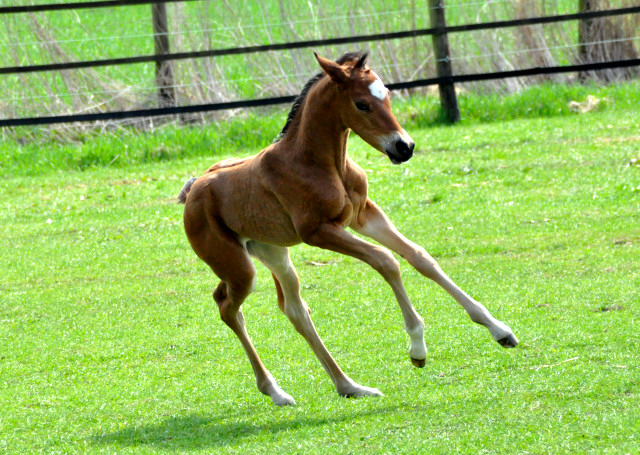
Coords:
163,58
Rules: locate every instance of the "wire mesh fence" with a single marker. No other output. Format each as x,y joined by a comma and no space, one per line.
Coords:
200,28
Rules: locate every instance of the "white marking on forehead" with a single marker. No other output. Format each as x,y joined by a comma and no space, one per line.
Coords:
378,89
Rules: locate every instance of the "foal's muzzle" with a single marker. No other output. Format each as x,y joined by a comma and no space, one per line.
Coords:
399,147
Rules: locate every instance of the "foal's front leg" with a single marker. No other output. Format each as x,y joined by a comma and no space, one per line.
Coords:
335,238
373,223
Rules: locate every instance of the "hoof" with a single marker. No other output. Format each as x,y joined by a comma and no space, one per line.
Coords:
418,362
358,391
278,396
283,400
510,341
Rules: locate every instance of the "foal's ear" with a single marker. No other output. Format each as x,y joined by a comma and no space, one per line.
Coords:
361,61
332,69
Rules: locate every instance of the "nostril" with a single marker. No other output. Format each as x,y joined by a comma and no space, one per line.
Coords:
404,150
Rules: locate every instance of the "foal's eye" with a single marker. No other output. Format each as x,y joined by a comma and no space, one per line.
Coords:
362,106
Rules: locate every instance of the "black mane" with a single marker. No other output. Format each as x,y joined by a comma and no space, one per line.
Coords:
348,56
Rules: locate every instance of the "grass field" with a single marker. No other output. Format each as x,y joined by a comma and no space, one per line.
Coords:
30,151
110,341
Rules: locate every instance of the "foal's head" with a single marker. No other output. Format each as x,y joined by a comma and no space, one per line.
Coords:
365,107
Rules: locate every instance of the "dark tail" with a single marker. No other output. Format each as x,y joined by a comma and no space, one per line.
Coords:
182,197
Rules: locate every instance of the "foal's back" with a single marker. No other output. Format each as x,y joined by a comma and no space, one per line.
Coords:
236,194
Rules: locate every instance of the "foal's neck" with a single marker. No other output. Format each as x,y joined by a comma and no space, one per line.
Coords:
318,135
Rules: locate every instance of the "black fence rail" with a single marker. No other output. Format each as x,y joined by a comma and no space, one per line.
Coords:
438,30
80,5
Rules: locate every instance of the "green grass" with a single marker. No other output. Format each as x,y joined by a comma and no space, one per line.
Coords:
545,100
38,151
110,341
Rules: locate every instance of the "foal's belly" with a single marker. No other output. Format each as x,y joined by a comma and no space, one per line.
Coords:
257,223
253,213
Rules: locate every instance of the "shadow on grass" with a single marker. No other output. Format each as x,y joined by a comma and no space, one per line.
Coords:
198,432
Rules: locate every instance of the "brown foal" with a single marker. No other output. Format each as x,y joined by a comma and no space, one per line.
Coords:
304,188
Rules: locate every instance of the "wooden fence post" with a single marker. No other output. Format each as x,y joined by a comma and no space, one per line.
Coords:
585,35
448,99
164,68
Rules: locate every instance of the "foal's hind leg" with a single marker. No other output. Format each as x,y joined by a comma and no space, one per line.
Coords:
229,299
375,224
230,261
278,261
